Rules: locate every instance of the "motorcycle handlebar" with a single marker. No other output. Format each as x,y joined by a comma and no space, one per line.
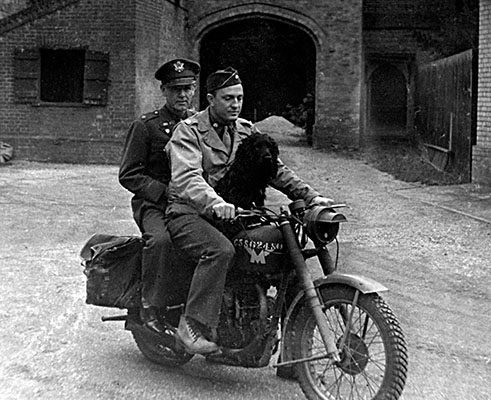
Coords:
238,211
241,213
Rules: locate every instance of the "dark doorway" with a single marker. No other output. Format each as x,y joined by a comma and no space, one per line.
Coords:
388,101
276,63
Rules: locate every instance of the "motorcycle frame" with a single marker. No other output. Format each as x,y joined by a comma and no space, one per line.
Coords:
310,291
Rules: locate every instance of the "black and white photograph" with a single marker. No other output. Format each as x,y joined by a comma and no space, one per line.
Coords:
251,200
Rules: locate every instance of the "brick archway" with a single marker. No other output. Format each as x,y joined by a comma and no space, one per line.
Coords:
201,24
275,50
276,63
387,101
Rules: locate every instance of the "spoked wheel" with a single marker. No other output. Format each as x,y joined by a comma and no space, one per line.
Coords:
373,354
157,348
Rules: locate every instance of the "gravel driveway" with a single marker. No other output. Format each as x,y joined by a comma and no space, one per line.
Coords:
430,245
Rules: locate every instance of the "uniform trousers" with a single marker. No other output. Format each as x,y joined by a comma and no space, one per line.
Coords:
213,255
154,256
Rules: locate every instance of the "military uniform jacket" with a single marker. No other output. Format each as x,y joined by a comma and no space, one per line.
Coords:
144,168
199,160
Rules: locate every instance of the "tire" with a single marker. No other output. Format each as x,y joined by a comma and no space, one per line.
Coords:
159,349
373,359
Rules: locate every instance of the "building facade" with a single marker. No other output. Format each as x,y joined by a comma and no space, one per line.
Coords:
481,153
357,58
105,52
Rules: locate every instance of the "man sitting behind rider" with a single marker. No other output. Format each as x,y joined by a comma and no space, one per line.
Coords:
201,150
145,172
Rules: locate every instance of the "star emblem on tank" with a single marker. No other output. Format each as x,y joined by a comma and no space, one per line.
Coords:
179,66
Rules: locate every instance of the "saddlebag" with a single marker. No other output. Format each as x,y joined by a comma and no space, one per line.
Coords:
113,269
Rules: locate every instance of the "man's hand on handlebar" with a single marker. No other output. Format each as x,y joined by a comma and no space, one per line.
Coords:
322,201
225,211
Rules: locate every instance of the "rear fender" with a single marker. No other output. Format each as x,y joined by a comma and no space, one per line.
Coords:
361,283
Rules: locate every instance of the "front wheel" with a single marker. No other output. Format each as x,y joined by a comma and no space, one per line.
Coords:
373,357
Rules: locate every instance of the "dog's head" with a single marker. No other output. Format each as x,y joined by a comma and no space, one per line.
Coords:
260,152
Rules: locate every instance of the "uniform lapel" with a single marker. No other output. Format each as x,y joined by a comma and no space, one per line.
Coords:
237,130
210,135
213,140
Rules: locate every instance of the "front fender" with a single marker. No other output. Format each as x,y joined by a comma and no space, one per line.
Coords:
358,282
361,283
364,285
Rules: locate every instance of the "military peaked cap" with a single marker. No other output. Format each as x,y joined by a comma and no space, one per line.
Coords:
221,79
178,72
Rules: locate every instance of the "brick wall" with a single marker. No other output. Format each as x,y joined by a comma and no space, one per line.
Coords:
403,13
481,153
139,35
50,132
390,27
335,29
128,30
160,37
396,33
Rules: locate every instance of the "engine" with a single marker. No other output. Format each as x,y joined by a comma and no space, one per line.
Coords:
245,314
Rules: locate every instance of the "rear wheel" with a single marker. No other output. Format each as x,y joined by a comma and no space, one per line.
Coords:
159,349
373,357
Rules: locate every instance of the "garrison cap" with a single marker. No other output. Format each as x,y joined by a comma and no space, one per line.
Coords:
178,72
221,79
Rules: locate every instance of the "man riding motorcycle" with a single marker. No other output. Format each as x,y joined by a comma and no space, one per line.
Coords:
201,150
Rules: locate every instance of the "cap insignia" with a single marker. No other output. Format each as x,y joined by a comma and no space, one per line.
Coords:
178,66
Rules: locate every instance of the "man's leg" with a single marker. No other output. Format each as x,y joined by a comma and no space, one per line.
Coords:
154,255
213,254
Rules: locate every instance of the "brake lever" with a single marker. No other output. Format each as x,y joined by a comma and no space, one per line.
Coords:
241,213
341,205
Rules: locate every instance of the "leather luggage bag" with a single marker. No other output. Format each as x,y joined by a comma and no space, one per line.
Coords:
113,270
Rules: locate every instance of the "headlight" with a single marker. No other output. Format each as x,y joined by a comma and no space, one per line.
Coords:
322,223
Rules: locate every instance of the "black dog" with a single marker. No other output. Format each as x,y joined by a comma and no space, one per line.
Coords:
255,164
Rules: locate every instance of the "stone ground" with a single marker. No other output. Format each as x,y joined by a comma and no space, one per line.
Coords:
430,246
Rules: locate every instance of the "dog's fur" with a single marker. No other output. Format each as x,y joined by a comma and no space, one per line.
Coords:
255,164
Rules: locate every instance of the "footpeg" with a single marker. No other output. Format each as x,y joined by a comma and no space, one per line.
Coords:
114,318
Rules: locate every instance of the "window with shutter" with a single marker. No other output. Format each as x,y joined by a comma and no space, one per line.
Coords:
26,75
96,78
54,76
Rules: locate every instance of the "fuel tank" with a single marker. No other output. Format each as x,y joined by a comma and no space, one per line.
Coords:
261,249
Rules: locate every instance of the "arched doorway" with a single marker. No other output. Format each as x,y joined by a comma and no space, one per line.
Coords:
387,102
275,60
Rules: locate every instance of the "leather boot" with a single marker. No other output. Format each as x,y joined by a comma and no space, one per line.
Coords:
191,338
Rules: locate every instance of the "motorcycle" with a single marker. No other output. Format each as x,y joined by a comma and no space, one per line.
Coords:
335,334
